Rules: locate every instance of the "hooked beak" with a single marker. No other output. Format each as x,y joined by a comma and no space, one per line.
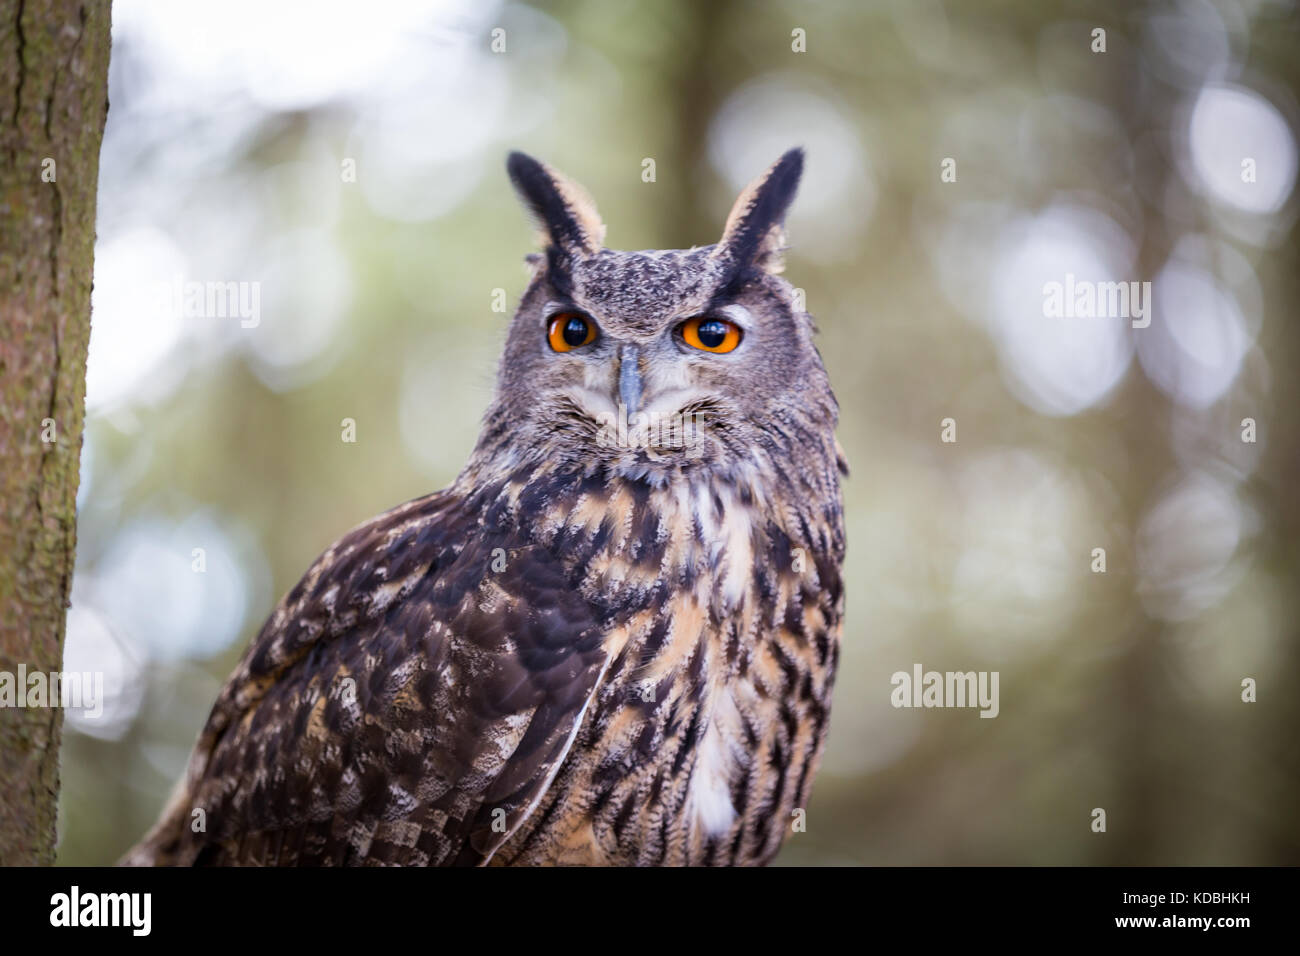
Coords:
629,379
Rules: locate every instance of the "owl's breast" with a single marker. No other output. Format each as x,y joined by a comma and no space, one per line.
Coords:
700,745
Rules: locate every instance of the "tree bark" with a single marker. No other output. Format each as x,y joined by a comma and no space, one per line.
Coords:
53,102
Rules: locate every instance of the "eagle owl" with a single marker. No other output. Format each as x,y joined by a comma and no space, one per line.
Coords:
613,639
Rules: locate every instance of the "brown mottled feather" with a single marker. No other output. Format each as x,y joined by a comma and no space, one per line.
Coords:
467,686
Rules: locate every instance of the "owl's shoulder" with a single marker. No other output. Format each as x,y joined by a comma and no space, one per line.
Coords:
407,702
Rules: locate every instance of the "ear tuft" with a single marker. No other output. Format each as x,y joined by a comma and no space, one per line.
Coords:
755,232
563,209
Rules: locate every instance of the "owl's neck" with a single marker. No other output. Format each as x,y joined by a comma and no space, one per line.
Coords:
722,526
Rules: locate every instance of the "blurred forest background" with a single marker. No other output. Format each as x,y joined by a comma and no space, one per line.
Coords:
233,127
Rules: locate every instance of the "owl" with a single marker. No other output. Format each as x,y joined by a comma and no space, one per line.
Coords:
612,641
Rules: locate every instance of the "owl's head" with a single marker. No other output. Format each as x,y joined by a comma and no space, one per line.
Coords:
656,362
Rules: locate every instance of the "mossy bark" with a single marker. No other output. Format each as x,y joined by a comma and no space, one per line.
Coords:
53,102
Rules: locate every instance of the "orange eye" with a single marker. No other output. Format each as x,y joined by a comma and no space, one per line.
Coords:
569,331
711,335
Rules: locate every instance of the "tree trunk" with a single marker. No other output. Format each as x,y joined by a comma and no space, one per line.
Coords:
53,102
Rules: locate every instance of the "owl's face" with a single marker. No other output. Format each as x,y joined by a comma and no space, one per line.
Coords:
652,362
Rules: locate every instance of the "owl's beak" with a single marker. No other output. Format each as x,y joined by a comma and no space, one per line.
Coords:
629,378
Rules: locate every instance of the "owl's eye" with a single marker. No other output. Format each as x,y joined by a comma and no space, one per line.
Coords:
569,331
710,335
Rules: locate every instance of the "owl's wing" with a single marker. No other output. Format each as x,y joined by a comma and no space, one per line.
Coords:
407,703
